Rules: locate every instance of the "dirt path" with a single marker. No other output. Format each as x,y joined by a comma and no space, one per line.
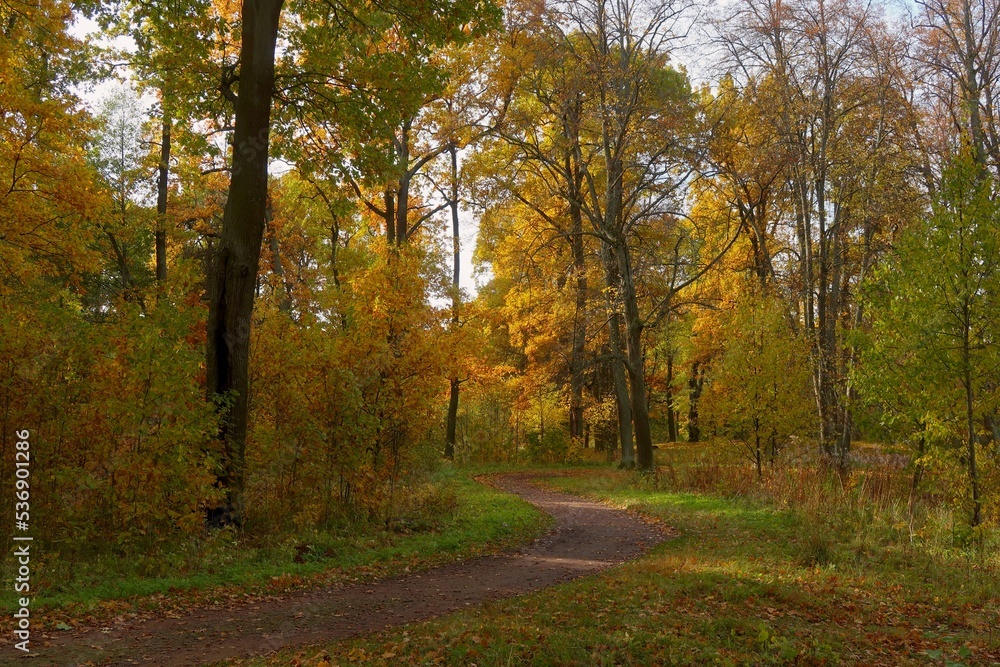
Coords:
587,537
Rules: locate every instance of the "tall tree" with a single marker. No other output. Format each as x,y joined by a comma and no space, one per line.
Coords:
162,190
454,382
934,306
237,256
313,79
553,81
642,117
841,114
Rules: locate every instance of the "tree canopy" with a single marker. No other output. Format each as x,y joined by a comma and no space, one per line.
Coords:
235,285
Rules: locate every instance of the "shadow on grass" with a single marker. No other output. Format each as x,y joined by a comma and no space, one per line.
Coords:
744,584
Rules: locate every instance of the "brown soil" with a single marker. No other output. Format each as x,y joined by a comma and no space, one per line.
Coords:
588,537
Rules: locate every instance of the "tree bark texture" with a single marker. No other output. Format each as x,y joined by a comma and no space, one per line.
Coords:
450,436
161,202
237,257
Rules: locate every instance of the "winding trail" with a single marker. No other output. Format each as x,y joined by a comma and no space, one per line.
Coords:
588,537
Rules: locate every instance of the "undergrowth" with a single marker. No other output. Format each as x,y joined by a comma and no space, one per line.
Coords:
875,511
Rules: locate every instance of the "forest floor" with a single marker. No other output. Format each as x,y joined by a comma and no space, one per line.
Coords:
740,581
588,537
745,582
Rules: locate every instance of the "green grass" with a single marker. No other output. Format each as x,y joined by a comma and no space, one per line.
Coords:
745,583
478,519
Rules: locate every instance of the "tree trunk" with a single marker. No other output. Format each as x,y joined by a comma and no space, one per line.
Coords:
758,455
671,412
972,88
622,400
804,232
841,414
390,217
161,202
621,281
992,425
763,268
694,394
621,392
918,475
580,315
403,193
824,317
636,361
449,446
237,258
970,414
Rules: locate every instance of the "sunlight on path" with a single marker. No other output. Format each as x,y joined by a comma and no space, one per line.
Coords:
588,537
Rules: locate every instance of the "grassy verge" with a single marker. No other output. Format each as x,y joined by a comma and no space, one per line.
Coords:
745,584
472,519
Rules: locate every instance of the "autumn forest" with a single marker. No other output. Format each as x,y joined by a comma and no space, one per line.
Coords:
281,280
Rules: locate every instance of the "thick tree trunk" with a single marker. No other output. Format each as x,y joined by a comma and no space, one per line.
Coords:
763,268
452,428
625,311
622,399
237,257
161,202
636,361
402,209
992,425
449,446
621,392
804,230
403,191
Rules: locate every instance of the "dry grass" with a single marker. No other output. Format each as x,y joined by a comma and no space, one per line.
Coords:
873,507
